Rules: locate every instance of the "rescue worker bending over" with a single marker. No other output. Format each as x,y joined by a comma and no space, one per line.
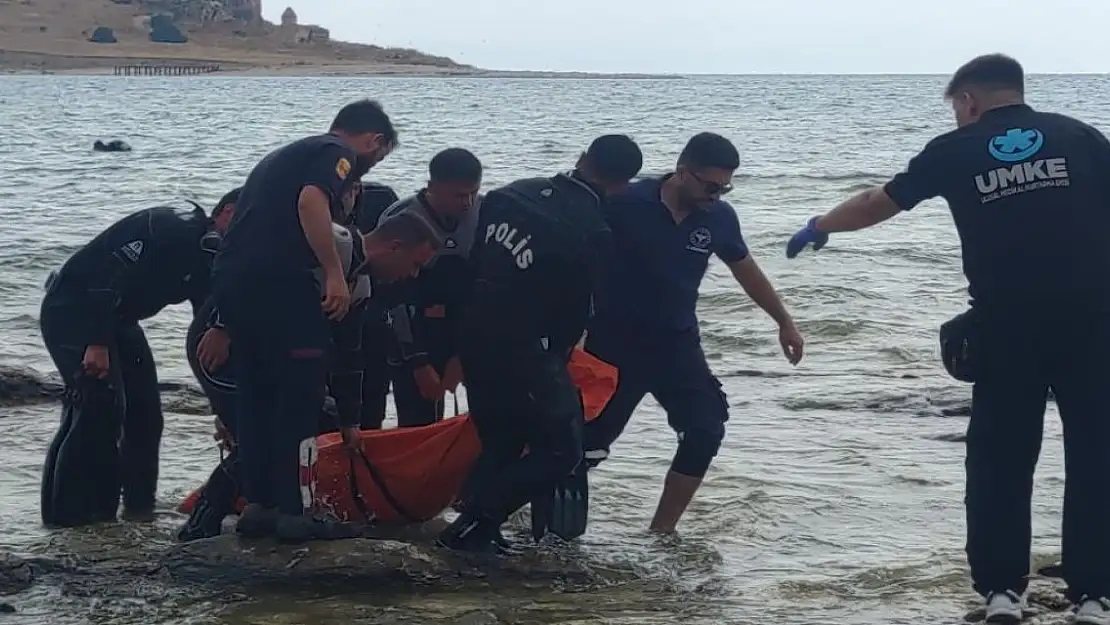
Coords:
90,316
376,335
386,262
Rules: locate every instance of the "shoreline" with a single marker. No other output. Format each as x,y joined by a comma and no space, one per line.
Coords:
24,63
368,71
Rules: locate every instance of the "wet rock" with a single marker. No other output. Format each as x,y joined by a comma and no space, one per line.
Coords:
23,385
1045,604
360,561
19,385
16,574
477,618
1055,571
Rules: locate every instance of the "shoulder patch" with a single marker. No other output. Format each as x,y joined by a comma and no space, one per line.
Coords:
342,168
132,251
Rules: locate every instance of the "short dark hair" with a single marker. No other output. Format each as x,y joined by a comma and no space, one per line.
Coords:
363,116
996,72
614,158
455,165
231,197
408,228
709,150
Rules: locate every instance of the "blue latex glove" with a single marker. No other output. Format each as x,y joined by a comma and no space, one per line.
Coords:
806,236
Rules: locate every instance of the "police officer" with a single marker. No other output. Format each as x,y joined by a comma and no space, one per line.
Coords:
425,323
646,324
268,299
216,374
1029,195
538,247
90,316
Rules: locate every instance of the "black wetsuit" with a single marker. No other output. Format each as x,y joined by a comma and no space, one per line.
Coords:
533,264
270,304
217,497
425,322
376,336
1030,196
144,262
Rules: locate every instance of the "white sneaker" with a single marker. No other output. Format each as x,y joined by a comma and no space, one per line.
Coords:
1092,611
1004,608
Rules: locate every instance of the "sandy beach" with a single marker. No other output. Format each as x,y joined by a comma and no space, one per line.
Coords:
29,54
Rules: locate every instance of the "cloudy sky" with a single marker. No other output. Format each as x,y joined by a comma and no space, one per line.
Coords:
727,36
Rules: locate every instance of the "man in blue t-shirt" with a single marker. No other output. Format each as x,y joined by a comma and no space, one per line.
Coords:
1029,195
645,321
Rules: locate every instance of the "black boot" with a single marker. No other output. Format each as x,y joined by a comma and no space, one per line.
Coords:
216,501
474,534
301,529
257,522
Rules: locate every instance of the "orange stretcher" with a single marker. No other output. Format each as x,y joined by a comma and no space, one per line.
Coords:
413,474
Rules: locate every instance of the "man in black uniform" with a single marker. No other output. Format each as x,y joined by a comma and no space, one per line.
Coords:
424,359
376,254
1030,195
539,242
267,295
90,316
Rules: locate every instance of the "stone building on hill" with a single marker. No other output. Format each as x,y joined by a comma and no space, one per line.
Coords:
288,17
294,32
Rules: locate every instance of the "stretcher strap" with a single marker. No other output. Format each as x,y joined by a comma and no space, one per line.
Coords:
360,501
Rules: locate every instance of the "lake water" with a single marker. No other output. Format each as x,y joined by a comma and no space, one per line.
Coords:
837,497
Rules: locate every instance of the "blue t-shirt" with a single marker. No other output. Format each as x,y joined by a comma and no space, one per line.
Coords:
652,280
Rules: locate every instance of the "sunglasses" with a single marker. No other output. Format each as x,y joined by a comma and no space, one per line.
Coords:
711,187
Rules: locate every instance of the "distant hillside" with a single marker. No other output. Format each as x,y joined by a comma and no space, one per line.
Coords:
52,35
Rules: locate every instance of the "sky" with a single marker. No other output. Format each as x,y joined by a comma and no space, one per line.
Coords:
726,36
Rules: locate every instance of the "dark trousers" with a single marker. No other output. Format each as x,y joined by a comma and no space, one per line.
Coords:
281,340
220,386
675,372
111,429
1023,355
520,398
376,370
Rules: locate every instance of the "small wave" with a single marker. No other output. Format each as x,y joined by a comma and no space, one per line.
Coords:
874,177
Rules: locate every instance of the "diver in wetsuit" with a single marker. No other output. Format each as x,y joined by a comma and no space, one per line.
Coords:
216,376
425,361
90,316
540,242
372,201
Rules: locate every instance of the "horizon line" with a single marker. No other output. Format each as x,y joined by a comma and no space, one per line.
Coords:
738,74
